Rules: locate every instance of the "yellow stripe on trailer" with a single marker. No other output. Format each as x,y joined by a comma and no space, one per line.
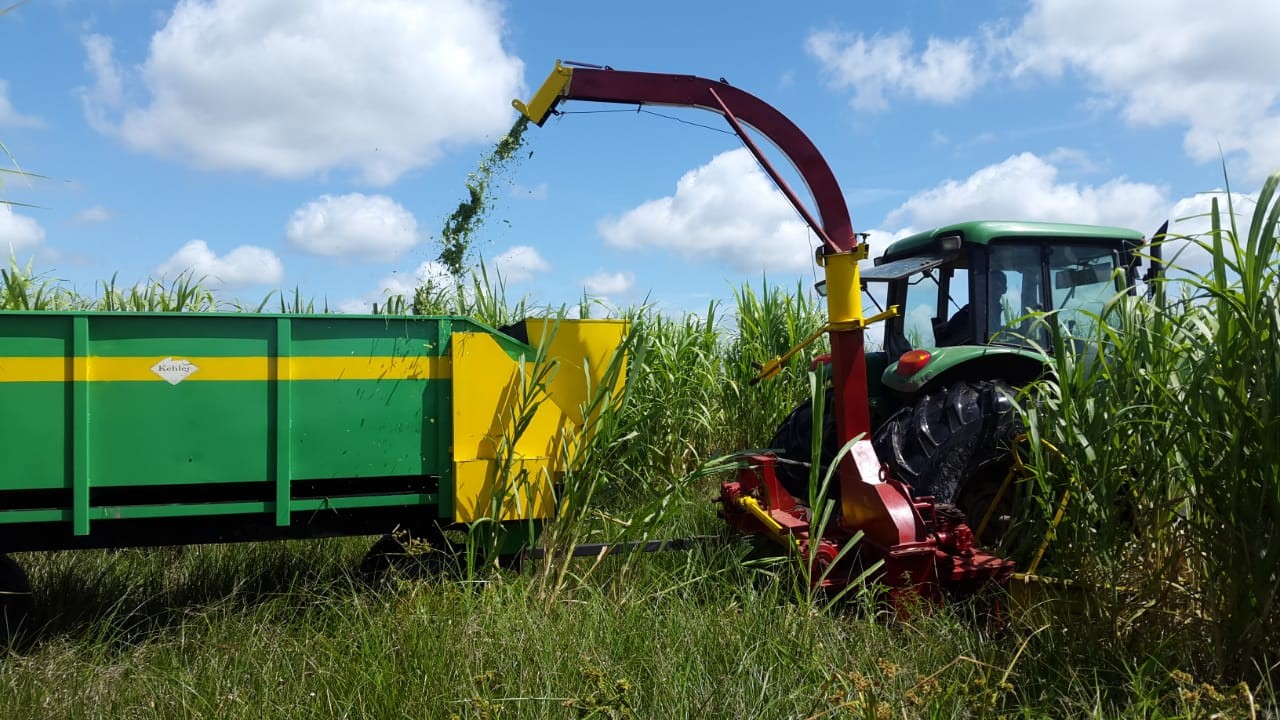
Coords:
212,369
419,367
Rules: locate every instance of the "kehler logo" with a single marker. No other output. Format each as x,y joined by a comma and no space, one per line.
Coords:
174,371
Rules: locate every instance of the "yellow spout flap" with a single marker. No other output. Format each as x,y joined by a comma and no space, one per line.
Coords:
510,438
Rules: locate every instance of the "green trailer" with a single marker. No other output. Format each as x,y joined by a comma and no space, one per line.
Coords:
125,430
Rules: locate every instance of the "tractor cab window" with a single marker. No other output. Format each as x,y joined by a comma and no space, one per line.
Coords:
1013,291
937,307
920,309
933,298
1083,279
1080,279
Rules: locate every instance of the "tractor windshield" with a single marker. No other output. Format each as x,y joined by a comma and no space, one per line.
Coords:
1083,278
1076,280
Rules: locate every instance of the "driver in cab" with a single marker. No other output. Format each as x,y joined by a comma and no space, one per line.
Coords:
958,329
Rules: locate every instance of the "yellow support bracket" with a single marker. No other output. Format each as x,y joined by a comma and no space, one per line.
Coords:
750,505
864,323
544,101
771,368
861,251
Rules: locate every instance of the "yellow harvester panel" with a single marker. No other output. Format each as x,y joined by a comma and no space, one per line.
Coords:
508,439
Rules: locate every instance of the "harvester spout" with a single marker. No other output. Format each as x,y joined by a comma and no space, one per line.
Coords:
741,109
553,89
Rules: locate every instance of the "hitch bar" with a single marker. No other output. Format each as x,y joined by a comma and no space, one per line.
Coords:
650,546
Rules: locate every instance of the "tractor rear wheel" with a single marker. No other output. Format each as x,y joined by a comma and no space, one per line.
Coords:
954,444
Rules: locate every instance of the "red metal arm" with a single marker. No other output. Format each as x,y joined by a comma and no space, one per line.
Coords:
738,107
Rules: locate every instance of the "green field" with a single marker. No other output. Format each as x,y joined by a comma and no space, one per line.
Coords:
1172,529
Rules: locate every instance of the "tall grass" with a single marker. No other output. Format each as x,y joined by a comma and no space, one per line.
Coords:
22,288
183,294
278,631
697,395
677,403
768,323
1169,445
475,295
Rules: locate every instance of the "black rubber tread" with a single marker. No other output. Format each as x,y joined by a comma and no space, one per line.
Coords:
15,596
949,437
792,443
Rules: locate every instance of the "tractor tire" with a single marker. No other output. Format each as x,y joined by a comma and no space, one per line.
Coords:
792,444
15,597
954,445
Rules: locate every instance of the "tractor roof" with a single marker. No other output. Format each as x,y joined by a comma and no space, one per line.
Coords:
982,232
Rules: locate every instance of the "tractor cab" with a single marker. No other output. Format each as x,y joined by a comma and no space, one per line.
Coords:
976,283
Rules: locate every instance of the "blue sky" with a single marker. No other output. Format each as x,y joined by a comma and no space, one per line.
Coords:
281,143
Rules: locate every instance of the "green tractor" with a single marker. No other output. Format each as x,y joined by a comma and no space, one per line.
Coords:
963,341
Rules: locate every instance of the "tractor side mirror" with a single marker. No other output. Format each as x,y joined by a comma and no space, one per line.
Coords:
1155,245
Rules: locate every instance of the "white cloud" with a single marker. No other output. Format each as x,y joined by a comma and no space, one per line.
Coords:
18,232
520,263
402,284
1026,187
10,116
106,94
1161,61
371,227
244,265
725,211
1189,218
359,306
1073,159
607,283
291,88
92,215
944,72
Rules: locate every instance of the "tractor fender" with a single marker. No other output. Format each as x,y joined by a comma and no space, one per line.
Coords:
1014,365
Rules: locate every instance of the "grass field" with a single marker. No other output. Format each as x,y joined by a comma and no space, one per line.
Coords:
1180,420
285,630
